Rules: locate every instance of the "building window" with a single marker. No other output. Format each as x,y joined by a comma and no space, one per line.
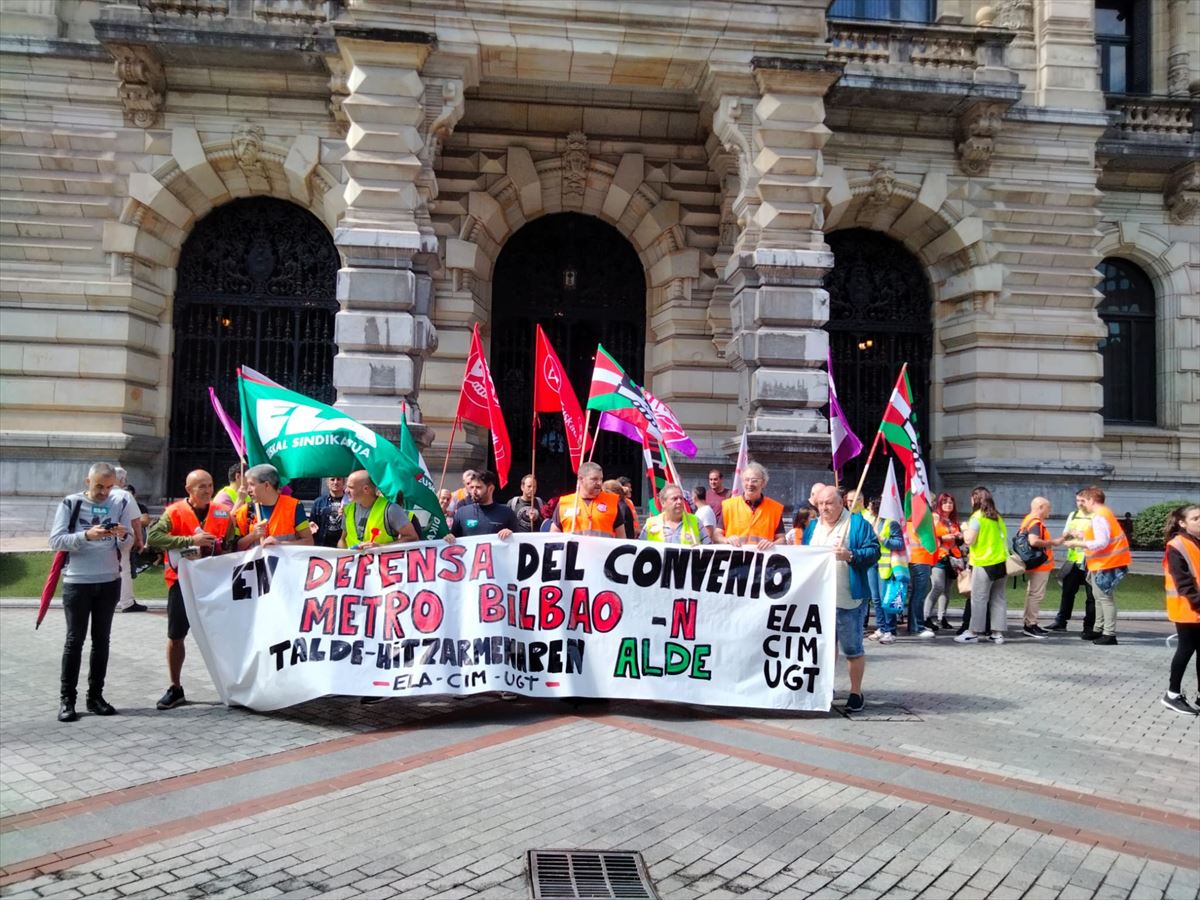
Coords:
1123,39
1128,313
883,10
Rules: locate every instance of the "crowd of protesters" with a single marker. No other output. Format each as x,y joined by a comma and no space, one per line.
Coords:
883,568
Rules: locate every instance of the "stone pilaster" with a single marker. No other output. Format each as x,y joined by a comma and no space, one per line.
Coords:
1067,72
1183,44
775,271
383,331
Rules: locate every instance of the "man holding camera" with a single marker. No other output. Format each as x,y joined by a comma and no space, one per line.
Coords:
192,527
91,528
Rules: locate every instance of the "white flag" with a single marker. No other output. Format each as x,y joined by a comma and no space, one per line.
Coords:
743,459
891,504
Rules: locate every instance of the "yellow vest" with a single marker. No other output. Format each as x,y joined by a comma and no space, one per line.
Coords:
689,532
376,524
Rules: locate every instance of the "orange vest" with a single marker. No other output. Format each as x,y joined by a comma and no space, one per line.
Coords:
1178,608
917,554
184,523
1027,523
763,522
1115,553
598,516
946,547
282,521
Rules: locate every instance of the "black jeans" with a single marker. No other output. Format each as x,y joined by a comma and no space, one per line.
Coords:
82,602
1189,645
1076,579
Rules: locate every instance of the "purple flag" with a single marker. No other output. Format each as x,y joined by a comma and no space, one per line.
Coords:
846,444
609,422
234,432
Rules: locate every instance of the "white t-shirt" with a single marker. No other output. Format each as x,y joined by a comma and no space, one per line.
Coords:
830,536
705,516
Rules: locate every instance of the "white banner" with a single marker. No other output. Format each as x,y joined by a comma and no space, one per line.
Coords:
540,615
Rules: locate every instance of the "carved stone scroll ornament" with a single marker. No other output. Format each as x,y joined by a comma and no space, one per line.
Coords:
1182,194
575,164
143,88
976,137
1015,15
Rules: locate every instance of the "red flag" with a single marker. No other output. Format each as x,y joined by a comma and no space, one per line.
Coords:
552,392
477,403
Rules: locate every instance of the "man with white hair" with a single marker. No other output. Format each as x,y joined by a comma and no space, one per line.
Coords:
270,517
753,518
121,494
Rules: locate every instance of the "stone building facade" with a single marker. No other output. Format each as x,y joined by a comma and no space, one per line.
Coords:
731,145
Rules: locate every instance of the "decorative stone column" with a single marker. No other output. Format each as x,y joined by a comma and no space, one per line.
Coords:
384,330
1182,43
778,263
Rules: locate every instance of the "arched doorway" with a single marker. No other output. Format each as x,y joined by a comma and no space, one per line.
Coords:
582,281
879,318
257,287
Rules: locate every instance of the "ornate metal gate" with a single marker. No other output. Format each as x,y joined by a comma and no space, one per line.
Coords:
582,281
879,318
256,287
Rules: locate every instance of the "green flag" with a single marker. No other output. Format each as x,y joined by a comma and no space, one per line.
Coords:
304,438
420,498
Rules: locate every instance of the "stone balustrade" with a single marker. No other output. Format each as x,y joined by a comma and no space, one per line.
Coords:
936,49
1155,117
278,12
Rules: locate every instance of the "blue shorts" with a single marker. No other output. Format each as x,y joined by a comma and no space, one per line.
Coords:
850,631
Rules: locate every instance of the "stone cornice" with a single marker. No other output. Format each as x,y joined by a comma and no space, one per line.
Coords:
56,47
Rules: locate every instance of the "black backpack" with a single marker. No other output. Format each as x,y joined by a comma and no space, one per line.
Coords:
1031,556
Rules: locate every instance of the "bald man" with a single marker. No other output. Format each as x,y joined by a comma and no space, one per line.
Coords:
1038,578
191,527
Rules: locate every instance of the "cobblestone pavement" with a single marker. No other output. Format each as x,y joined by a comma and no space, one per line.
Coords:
1036,769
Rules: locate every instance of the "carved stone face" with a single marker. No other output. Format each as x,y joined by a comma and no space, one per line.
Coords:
247,144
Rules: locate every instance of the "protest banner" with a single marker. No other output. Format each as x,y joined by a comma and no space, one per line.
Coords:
542,615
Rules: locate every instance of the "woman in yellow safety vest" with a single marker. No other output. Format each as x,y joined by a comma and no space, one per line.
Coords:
1181,571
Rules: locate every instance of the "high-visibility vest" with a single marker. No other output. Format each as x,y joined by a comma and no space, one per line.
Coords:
1178,608
226,497
376,524
1077,523
764,521
917,554
945,547
597,516
282,520
689,532
890,561
1115,553
184,523
1044,534
991,541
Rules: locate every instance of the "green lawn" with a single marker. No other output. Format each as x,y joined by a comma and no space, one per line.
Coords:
23,574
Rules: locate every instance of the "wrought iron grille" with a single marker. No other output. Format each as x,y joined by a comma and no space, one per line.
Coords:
582,281
879,318
256,287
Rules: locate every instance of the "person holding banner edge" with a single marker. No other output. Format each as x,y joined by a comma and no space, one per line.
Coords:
857,550
194,525
591,509
481,514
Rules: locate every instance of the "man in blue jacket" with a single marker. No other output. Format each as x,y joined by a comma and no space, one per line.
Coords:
857,550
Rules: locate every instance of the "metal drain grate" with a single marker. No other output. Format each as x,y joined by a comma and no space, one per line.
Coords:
595,874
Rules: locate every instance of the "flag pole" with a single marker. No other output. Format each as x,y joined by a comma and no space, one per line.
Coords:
878,434
596,436
449,447
533,446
